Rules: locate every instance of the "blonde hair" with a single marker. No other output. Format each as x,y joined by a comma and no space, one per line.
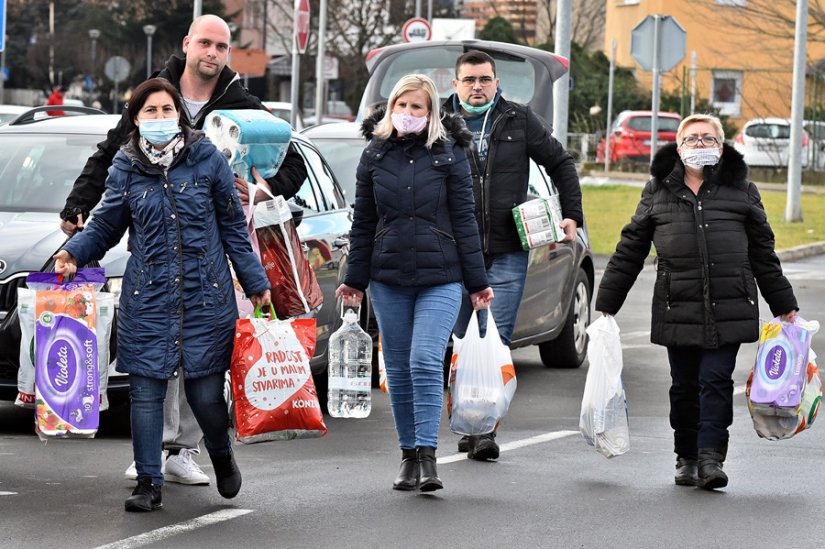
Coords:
693,118
408,83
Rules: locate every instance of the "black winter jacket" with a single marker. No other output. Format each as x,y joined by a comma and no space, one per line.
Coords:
413,223
228,94
710,248
517,135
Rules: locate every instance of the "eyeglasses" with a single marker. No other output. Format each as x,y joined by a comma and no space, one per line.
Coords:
693,140
483,80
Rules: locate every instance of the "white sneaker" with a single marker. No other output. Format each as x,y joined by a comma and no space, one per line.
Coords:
183,469
131,471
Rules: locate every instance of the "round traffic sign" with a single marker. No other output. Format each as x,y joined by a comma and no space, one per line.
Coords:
302,25
117,69
417,29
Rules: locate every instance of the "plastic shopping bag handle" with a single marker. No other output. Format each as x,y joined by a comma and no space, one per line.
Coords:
258,313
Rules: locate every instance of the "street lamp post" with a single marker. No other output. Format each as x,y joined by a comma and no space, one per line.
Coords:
149,30
94,34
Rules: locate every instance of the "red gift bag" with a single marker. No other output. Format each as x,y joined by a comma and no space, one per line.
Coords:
272,386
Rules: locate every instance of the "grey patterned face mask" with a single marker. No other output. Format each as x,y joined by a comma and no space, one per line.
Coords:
697,158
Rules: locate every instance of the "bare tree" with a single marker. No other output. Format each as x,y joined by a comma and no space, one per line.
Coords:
587,23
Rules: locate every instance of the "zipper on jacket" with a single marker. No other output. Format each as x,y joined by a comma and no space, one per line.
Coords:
484,179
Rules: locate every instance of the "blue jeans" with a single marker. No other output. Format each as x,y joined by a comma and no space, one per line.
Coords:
415,325
205,397
701,397
506,274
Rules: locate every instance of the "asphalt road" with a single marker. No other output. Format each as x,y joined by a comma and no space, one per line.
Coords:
548,489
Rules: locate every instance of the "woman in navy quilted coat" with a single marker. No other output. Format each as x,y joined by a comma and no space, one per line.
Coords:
175,193
414,241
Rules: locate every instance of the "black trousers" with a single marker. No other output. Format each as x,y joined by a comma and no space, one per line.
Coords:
701,397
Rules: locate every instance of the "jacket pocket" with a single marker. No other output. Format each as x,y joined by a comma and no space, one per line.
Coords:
661,289
130,301
443,234
213,285
749,286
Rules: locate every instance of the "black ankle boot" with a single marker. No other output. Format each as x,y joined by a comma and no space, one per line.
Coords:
409,473
711,475
145,497
687,472
429,475
227,475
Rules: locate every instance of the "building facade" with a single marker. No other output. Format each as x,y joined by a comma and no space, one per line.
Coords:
740,62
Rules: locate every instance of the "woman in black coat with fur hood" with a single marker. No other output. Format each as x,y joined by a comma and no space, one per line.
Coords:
713,246
414,241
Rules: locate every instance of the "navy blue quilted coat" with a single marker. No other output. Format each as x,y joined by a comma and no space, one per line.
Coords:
177,306
414,222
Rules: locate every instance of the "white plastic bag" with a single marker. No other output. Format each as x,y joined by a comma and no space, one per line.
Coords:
603,421
482,380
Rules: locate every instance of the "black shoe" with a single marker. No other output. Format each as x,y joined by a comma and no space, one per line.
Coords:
687,472
429,474
711,475
484,447
145,497
227,475
409,473
464,443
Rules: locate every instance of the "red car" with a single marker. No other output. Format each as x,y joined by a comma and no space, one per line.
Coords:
630,136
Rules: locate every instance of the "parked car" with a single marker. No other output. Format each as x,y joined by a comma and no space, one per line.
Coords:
39,162
630,136
816,148
767,142
555,309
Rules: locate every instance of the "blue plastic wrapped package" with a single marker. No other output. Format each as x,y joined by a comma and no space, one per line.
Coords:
249,138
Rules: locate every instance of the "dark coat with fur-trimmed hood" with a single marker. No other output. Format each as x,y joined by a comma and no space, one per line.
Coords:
413,223
712,251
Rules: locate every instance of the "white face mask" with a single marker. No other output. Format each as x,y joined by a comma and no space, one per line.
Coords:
407,123
698,158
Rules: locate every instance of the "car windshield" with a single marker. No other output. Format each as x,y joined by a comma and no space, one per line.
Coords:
37,171
517,75
642,123
343,156
769,131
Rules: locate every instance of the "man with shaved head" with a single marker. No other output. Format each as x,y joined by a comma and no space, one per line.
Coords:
206,84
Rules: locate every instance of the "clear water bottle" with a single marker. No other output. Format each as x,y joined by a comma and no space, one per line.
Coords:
350,370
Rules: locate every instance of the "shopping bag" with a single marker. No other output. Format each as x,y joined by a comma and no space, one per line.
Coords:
482,380
272,386
789,393
603,420
780,371
66,367
779,427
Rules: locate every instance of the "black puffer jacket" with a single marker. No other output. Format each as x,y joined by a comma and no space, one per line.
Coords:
517,134
710,248
229,94
414,223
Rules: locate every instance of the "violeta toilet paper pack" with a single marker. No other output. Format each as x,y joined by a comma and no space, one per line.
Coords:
780,372
66,353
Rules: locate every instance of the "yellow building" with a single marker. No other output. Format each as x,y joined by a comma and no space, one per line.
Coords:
744,64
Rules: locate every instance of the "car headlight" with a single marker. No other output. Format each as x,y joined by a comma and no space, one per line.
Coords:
115,287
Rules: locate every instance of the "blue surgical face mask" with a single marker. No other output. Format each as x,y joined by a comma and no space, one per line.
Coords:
159,131
472,109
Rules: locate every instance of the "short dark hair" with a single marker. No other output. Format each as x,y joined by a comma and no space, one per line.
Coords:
474,57
141,95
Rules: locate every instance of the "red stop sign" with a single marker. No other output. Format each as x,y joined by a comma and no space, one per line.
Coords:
302,25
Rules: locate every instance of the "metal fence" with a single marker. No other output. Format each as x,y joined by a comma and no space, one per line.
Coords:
582,146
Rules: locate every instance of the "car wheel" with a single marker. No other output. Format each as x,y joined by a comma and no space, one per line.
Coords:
570,348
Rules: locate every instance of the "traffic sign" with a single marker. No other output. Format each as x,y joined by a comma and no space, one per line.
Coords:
417,29
117,69
2,25
671,42
302,25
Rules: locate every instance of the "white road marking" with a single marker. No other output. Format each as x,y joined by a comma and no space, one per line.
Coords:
8,493
514,445
154,536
